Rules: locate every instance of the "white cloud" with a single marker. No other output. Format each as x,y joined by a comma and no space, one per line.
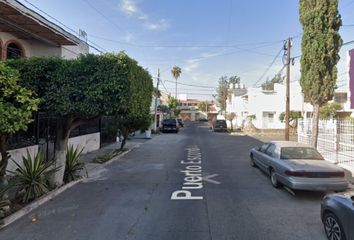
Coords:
162,24
130,7
191,66
129,37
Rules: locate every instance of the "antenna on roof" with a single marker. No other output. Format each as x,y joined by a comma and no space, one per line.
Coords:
83,35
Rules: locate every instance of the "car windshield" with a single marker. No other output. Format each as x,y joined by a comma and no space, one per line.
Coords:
300,153
169,121
221,122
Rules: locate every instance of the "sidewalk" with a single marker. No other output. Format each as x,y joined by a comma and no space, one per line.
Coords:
91,167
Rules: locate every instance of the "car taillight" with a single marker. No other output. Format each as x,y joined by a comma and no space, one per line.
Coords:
336,174
314,174
295,173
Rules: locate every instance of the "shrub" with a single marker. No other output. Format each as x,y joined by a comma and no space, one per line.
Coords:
33,177
72,165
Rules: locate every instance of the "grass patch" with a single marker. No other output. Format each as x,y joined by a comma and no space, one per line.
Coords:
108,156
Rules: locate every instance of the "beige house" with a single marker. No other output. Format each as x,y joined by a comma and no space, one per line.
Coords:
25,33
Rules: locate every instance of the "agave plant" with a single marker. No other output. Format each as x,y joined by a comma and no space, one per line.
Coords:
32,177
72,165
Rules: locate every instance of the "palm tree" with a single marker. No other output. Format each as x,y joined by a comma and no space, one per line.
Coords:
176,72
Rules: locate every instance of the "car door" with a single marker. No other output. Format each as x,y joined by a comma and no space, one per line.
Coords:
260,151
269,157
261,159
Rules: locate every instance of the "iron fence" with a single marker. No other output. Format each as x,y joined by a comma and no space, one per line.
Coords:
335,139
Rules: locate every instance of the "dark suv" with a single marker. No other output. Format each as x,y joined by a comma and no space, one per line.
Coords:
220,126
169,125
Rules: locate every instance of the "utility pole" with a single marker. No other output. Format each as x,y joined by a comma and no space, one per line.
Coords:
287,101
156,97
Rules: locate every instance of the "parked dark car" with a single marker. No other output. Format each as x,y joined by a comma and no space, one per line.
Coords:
203,120
169,125
220,126
180,122
337,214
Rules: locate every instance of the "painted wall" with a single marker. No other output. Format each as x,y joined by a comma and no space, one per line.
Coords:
267,105
38,48
89,142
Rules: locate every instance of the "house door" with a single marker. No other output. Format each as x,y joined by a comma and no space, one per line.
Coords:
268,120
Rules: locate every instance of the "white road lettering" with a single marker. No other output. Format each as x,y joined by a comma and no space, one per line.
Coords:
193,179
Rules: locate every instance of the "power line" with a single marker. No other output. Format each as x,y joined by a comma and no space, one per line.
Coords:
91,44
269,67
183,46
190,85
104,16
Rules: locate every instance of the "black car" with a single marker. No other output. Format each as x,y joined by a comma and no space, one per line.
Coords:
180,122
220,126
169,125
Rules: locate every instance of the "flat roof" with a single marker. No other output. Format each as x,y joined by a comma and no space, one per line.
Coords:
24,23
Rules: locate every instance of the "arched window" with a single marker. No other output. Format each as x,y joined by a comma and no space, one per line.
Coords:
13,51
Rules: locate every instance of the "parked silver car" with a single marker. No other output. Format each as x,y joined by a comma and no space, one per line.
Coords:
337,214
298,166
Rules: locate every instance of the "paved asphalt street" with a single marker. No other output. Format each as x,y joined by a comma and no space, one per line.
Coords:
131,199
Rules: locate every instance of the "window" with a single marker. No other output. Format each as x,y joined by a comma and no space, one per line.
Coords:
270,150
271,117
264,147
14,51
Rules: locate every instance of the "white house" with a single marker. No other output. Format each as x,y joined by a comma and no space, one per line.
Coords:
265,106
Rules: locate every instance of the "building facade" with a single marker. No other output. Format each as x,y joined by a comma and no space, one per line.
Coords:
25,33
266,106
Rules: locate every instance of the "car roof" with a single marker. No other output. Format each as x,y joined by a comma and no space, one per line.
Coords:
289,144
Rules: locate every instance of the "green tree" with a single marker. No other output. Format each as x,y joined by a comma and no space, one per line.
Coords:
172,105
269,84
176,73
222,93
230,117
321,43
234,80
329,110
76,91
203,106
17,105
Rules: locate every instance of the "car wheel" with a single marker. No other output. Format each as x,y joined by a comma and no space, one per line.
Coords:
253,164
333,227
274,180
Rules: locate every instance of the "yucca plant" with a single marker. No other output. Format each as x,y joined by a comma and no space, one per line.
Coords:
72,165
33,177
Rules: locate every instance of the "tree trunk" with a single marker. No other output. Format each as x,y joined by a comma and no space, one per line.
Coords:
315,120
3,165
4,159
61,143
125,134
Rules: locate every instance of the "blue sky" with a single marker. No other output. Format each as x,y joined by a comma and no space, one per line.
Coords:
206,38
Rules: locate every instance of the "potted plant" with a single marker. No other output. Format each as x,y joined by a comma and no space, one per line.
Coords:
147,126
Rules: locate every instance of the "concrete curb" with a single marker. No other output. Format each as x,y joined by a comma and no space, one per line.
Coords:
35,204
116,158
102,165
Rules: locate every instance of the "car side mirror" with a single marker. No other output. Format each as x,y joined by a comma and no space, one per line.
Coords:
258,148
